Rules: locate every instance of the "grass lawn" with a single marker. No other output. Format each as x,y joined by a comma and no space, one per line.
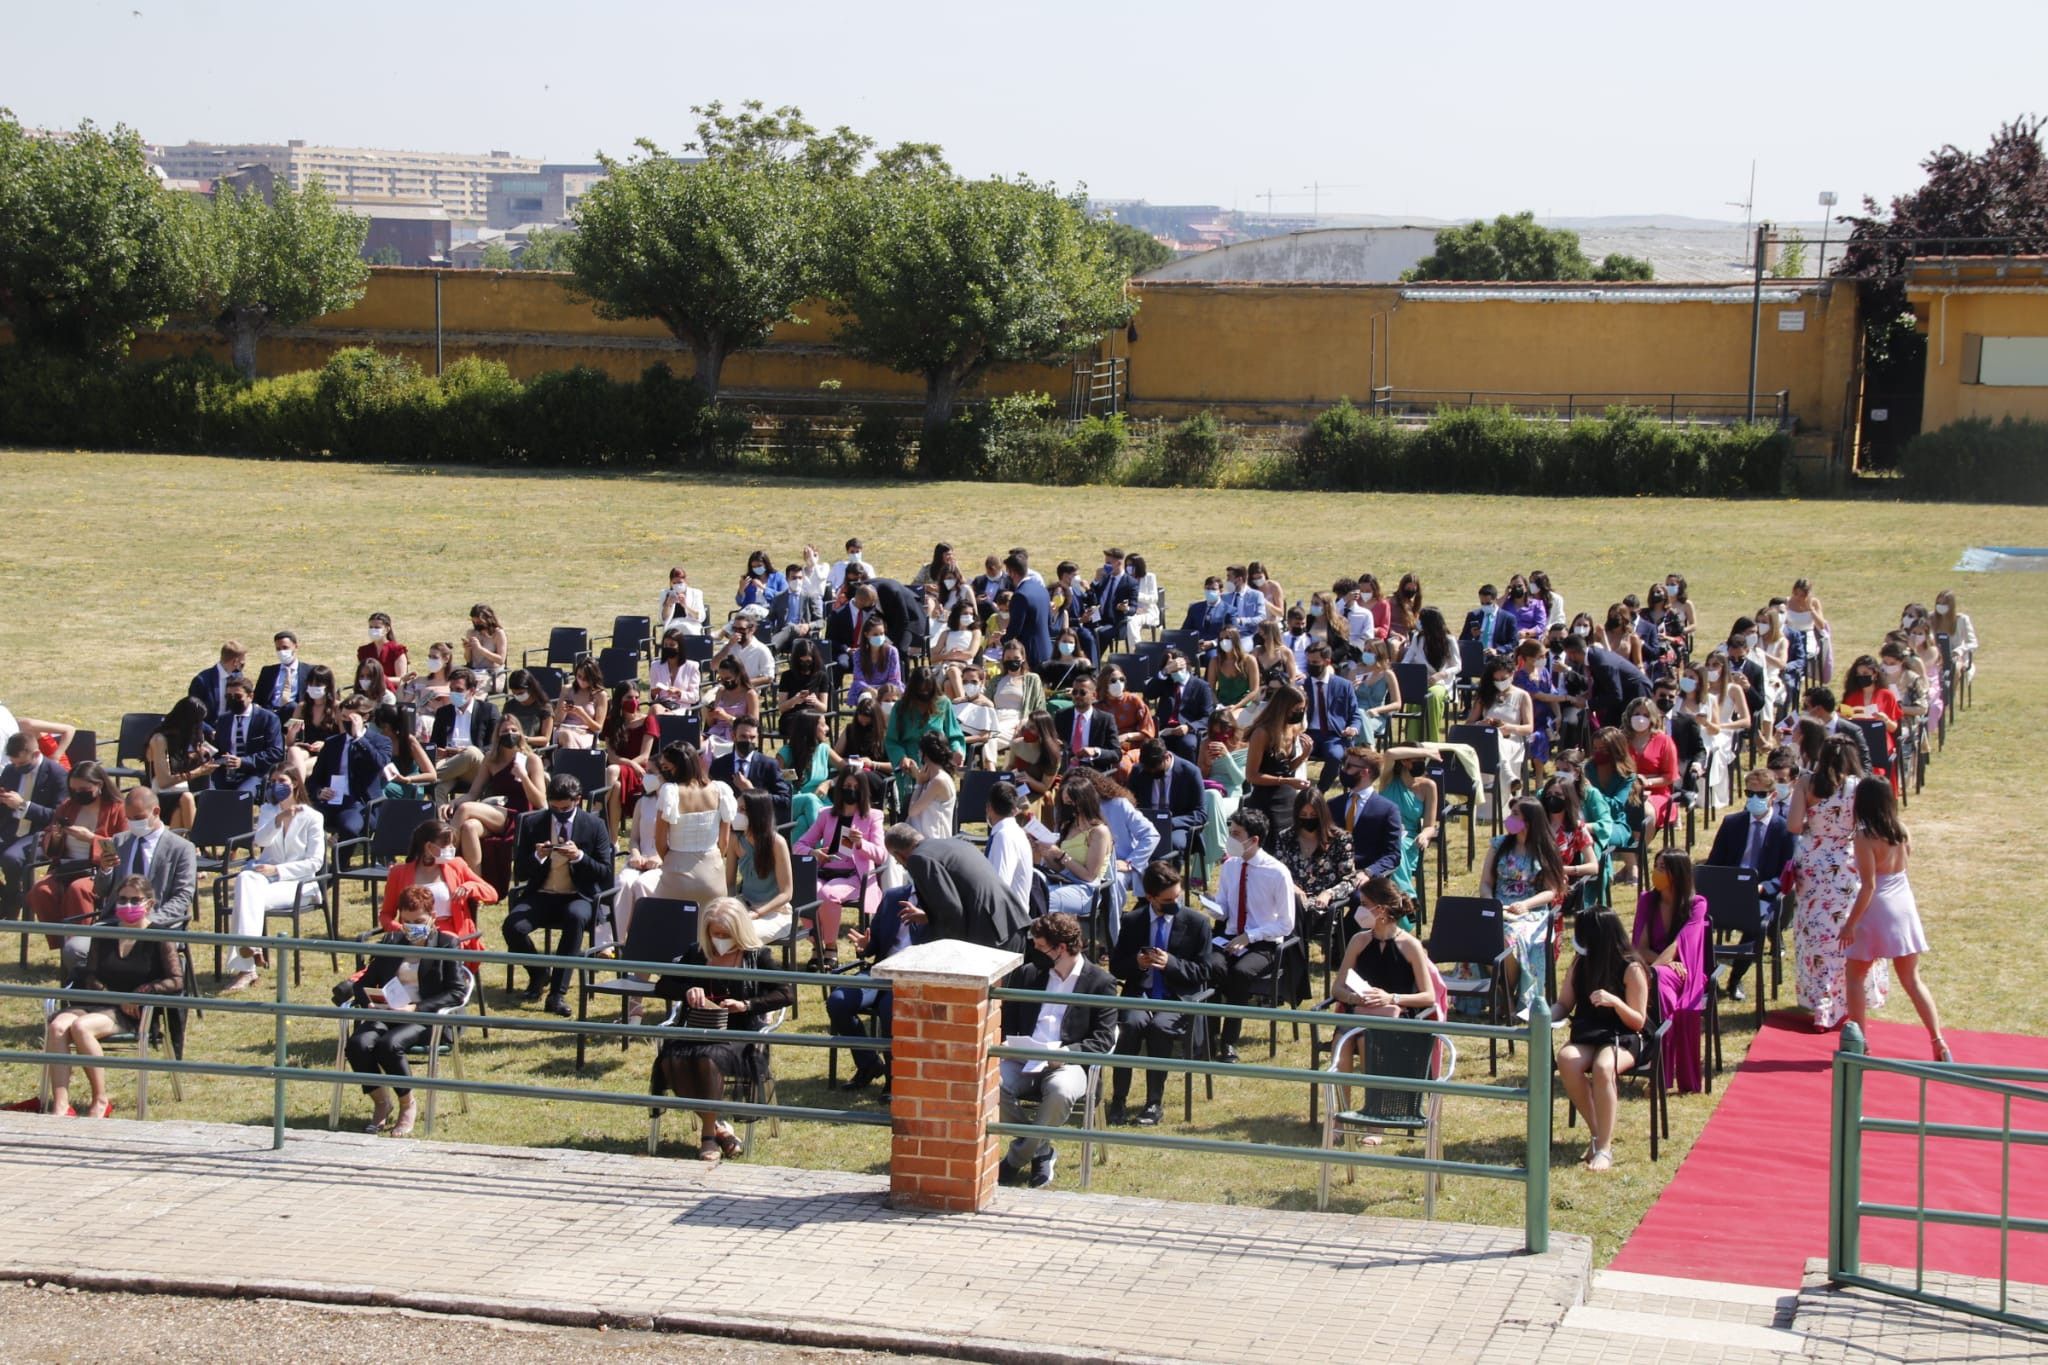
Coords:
122,574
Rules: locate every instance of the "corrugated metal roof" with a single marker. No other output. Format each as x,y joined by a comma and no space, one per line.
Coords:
1738,294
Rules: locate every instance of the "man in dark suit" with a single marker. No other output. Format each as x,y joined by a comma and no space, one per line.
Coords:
1685,733
210,686
1161,956
1754,681
463,731
1181,703
1491,624
955,891
747,769
248,741
849,1007
1030,611
349,773
843,622
1165,782
278,684
1331,714
1090,733
564,859
1090,1029
902,611
1113,599
31,789
145,849
1615,682
1377,835
1755,837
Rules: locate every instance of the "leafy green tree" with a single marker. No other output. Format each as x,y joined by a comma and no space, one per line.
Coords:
386,254
89,253
495,256
1135,249
1517,247
546,249
255,264
943,277
1791,263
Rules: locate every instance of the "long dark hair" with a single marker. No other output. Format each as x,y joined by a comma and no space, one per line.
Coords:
844,781
1437,645
1672,906
1835,767
1561,796
1877,812
1604,953
1536,829
1812,735
102,781
180,727
686,761
424,833
802,733
1489,692
760,809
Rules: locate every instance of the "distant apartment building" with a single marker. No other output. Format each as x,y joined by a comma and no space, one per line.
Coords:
460,182
547,194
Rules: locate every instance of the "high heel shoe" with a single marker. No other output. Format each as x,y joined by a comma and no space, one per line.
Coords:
1941,1052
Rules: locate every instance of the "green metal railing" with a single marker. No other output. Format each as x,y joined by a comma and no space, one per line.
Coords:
282,1011
1847,1208
1533,1173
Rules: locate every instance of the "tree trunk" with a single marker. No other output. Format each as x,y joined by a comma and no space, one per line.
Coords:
708,357
244,326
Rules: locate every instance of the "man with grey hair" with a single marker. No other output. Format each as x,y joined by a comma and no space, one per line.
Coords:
955,891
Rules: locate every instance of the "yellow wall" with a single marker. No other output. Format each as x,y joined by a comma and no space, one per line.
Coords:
1254,352
1948,317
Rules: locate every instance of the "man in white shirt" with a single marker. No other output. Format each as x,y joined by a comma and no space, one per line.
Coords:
1009,847
1056,965
755,657
839,567
1258,916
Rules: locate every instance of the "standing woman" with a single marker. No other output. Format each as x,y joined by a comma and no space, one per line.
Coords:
1823,816
1671,936
695,828
1524,873
1606,995
484,648
1884,923
1274,755
510,783
382,646
1432,646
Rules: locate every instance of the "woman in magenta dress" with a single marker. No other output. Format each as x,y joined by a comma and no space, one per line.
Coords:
847,842
1671,936
1656,760
1884,922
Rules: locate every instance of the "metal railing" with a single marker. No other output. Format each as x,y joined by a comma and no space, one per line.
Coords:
1847,1208
1533,1173
1674,408
282,1010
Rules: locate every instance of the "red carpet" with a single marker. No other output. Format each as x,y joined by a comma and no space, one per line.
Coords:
1750,1202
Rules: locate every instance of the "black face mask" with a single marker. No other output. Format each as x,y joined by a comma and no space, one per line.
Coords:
743,747
1013,665
1666,703
83,797
237,705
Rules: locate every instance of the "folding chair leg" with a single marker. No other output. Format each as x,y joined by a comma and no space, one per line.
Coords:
654,1133
455,1057
142,1077
433,1073
340,1062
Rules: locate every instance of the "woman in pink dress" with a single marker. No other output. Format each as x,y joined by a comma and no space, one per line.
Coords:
1656,760
847,842
1884,923
1671,937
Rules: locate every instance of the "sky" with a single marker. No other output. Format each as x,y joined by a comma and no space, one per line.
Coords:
1438,111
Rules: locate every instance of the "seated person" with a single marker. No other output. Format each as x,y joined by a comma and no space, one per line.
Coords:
1384,970
176,758
454,890
247,740
975,714
1161,956
508,785
746,768
484,648
696,1068
1754,837
1168,785
461,727
527,701
1068,665
564,857
279,686
1134,724
393,981
1316,851
1606,995
1055,964
286,852
351,770
760,875
756,658
31,789
81,828
314,720
1074,882
847,842
111,964
1181,703
673,682
1258,898
1090,733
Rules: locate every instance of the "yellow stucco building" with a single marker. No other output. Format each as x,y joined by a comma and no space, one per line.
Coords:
1986,320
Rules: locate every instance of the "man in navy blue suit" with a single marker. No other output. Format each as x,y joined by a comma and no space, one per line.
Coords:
247,740
746,768
1755,837
210,686
1181,703
1377,835
1331,714
1490,623
1164,781
1030,610
31,789
1615,682
349,773
887,934
1114,595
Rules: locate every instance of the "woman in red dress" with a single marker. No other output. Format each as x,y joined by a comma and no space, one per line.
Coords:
383,646
629,740
1868,698
1656,760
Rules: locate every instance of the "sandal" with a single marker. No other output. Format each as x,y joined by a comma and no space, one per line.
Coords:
105,1113
1602,1160
728,1141
709,1152
1941,1051
407,1113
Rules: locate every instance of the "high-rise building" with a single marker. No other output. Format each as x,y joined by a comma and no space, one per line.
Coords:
459,181
546,195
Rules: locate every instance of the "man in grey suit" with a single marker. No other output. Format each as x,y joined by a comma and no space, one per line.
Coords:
149,850
955,891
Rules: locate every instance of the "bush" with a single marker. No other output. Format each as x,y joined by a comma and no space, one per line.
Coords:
1185,455
1979,460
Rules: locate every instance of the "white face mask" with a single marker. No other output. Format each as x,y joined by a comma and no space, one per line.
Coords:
285,657
1713,675
970,689
1687,685
721,945
376,633
1258,582
142,826
1578,949
1753,639
1116,689
316,693
445,855
739,821
950,583
1639,723
1233,847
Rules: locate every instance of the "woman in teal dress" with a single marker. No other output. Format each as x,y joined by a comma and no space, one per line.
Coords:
1414,795
1610,775
1223,786
922,710
808,756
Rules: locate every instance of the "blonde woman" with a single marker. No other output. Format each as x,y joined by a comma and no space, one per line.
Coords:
696,1068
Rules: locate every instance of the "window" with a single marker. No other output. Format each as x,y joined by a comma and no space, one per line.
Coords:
2005,361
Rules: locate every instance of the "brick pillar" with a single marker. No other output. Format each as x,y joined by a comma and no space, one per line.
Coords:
943,1088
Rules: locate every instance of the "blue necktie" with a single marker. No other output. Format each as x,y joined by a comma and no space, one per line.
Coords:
1156,986
131,861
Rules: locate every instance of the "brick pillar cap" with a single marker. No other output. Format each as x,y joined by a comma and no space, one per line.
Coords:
949,962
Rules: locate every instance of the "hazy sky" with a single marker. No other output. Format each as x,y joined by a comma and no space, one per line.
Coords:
1424,109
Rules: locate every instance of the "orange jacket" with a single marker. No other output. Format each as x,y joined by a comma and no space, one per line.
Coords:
466,891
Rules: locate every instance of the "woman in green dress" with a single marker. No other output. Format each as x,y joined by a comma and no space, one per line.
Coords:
1233,673
1223,755
1610,774
922,710
808,756
1403,782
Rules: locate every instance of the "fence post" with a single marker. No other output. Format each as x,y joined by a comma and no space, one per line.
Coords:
283,972
1845,1151
943,1082
1536,1186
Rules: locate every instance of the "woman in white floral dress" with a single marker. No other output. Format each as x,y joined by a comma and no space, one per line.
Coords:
1822,815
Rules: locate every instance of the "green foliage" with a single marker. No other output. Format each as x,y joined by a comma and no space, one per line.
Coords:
253,264
881,447
1134,249
495,256
1979,461
1791,263
1517,247
88,249
546,249
1186,455
386,255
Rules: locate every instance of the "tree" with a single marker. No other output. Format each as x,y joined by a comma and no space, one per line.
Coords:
943,277
495,256
718,250
255,264
88,250
1135,249
1517,247
386,254
546,249
1791,263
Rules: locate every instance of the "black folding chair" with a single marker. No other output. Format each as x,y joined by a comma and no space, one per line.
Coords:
1413,680
618,665
1471,931
1655,1029
971,807
131,750
386,846
1457,799
1484,741
588,767
567,647
662,931
1736,907
632,632
678,727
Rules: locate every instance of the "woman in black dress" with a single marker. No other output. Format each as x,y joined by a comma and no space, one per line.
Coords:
1607,997
696,1068
1384,971
1275,751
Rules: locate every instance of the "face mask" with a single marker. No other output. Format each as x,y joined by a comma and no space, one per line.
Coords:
1757,806
1514,824
1179,676
237,705
1894,670
444,855
1012,665
739,821
1230,645
1211,596
1066,646
365,683
1713,675
1687,686
721,945
950,583
138,826
1233,847
1639,723
458,699
1752,639
437,661
1661,880
1362,917
874,642
970,690
508,741
1664,704
759,571
743,747
131,913
1784,790
1116,689
285,657
316,693
1315,609
1258,582
277,793
376,633
417,931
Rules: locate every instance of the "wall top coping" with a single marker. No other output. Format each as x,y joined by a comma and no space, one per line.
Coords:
949,962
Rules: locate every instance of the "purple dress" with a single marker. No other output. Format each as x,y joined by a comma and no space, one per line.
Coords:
1683,1002
1890,926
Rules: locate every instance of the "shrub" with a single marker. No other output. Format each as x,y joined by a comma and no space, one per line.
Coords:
881,448
1981,460
1184,455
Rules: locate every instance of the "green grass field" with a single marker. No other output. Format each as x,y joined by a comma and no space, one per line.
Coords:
122,574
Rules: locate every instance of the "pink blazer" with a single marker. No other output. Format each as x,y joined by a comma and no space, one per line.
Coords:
865,856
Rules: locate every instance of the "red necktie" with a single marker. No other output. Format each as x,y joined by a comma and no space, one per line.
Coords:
1080,732
1244,875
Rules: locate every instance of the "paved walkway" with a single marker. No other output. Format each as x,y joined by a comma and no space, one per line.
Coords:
796,1256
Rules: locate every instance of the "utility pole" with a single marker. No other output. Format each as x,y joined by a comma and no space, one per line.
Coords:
1748,206
1756,314
1827,203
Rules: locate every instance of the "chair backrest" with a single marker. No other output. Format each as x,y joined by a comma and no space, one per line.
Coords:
1484,740
1467,929
1403,1056
618,665
1732,899
1874,737
219,816
585,765
1413,680
391,839
550,682
1471,659
699,648
136,728
1186,641
803,879
1129,663
567,645
1150,654
662,930
971,808
84,746
1453,780
632,632
685,727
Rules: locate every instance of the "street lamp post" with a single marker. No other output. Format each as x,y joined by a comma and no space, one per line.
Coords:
1827,202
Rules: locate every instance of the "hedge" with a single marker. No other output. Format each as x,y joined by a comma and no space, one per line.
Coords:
1978,460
